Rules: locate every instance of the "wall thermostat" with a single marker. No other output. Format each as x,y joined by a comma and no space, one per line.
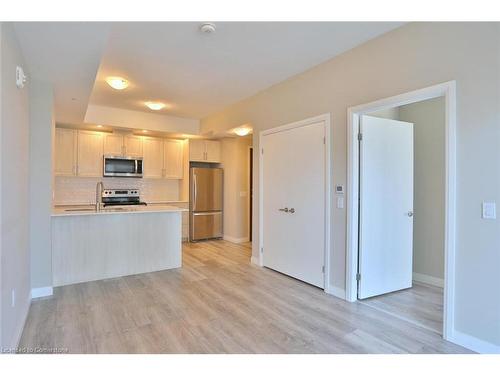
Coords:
339,189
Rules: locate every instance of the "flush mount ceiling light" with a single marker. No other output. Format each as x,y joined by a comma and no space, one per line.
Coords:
207,28
118,83
155,106
242,131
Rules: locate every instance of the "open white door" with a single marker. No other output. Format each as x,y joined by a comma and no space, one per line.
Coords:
386,206
293,214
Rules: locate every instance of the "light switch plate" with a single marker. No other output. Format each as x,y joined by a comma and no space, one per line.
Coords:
489,210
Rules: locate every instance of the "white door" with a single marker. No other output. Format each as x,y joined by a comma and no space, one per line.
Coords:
386,206
294,180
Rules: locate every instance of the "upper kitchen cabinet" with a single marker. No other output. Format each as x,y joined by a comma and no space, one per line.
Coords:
65,152
212,151
204,151
152,149
133,145
90,152
197,150
173,158
122,145
113,144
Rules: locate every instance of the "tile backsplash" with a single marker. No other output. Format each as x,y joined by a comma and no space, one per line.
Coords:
81,190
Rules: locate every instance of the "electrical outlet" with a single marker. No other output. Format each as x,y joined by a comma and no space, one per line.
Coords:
13,298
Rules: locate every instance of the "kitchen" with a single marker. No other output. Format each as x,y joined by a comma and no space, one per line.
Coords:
121,201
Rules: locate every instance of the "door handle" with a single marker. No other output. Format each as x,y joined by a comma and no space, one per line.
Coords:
292,210
410,213
283,209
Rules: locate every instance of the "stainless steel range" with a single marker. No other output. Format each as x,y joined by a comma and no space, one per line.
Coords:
121,197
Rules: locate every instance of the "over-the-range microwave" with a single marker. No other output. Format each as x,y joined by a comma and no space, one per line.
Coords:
122,166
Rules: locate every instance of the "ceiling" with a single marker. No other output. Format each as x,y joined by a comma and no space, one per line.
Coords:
195,74
66,54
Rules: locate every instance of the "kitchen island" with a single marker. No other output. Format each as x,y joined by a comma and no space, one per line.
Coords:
92,245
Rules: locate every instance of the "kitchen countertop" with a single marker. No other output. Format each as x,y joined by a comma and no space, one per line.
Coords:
90,210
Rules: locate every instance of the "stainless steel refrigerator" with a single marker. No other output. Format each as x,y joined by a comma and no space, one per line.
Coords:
205,204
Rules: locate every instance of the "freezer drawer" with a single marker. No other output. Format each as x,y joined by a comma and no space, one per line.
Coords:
205,225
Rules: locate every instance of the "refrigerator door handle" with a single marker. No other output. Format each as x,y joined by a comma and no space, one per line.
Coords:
194,190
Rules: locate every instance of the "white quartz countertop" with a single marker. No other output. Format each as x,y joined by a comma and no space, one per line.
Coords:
90,210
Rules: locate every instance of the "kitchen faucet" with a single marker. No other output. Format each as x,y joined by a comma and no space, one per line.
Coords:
98,195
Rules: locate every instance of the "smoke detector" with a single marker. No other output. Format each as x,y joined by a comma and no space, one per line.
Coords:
207,28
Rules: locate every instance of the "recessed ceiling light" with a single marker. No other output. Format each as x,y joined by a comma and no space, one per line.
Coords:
155,106
242,131
144,131
99,126
118,83
207,28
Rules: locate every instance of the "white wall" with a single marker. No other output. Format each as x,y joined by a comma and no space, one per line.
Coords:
235,154
15,260
42,129
414,56
428,118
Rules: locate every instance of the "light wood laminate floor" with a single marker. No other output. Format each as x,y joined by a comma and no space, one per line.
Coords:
217,303
421,304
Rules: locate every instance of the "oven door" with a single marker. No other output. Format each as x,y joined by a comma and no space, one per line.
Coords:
122,167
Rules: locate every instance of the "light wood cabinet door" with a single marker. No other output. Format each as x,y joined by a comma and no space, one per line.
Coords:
212,151
197,150
65,152
113,144
133,146
90,152
173,158
152,149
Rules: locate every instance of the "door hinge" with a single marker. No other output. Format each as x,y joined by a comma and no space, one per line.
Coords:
323,269
358,277
262,151
360,136
261,249
324,140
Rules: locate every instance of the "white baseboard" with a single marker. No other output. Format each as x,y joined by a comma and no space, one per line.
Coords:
335,291
473,343
16,338
426,279
235,239
255,260
42,292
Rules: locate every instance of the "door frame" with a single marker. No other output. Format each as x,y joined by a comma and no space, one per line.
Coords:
327,199
448,91
251,172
